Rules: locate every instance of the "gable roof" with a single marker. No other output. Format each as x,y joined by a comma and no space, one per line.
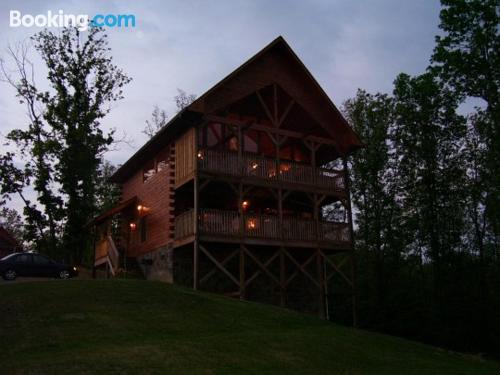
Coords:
275,63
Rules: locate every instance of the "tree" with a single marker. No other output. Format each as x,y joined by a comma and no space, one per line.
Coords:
64,138
373,196
159,119
182,100
107,193
428,140
467,58
13,223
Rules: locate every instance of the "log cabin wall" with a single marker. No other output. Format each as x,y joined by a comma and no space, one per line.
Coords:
152,186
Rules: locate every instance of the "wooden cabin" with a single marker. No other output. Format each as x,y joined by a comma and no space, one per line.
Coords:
234,194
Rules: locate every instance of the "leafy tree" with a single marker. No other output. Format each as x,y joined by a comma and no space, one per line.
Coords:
428,137
374,198
14,180
107,193
13,223
64,138
467,58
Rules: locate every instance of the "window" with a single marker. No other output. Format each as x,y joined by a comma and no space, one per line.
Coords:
250,140
148,171
23,258
214,134
143,225
161,159
13,256
41,260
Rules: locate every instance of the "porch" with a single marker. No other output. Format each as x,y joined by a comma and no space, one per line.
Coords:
229,226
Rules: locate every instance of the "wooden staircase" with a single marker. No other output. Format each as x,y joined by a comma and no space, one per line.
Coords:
107,254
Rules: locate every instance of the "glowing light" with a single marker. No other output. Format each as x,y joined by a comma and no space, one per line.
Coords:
133,226
284,167
200,155
255,165
251,224
245,204
142,209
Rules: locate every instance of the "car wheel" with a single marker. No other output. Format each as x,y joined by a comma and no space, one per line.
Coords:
64,274
9,275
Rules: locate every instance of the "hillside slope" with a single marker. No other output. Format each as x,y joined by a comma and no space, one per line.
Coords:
145,327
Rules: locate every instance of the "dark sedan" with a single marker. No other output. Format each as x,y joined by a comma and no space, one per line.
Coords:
34,265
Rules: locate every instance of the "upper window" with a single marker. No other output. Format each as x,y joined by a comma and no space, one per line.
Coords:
251,141
13,256
214,134
148,170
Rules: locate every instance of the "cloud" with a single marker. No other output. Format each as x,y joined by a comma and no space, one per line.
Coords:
193,44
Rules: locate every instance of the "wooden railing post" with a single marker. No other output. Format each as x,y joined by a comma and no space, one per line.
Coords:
196,244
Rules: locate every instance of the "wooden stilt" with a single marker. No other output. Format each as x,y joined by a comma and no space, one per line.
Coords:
196,244
242,273
321,287
282,278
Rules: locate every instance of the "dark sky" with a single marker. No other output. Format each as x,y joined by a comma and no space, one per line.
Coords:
193,44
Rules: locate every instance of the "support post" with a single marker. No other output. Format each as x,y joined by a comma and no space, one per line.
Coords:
282,278
196,244
242,273
321,284
351,231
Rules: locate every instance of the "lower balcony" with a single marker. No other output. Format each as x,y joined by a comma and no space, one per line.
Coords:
228,225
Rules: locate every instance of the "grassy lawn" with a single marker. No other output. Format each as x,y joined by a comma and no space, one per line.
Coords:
130,327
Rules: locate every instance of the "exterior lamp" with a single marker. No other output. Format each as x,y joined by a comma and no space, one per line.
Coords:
200,155
133,226
245,204
141,209
251,224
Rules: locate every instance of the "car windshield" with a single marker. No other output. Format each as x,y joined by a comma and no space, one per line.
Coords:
8,256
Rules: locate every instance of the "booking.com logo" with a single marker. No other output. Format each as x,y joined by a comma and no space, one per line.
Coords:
80,21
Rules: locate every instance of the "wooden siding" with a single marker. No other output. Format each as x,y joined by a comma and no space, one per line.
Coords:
154,194
185,150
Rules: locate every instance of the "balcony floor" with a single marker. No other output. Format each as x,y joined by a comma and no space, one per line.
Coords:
324,245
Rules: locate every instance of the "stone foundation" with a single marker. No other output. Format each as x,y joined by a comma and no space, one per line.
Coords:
157,264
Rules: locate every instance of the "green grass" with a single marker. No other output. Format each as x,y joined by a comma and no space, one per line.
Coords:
129,327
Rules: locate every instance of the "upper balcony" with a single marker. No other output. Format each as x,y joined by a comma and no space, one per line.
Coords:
269,171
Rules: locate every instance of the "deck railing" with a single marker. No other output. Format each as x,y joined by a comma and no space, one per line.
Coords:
229,223
184,224
270,169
